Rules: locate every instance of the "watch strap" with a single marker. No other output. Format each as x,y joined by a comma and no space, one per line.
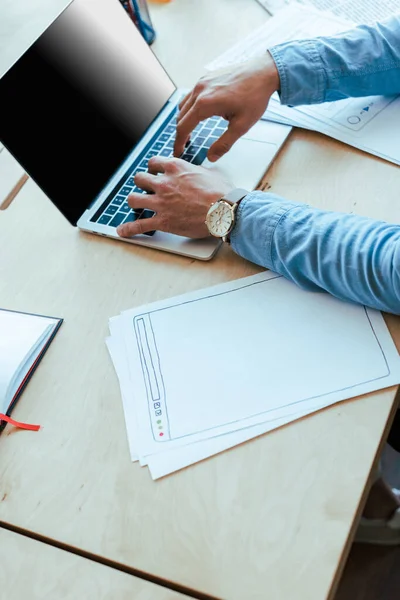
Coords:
234,197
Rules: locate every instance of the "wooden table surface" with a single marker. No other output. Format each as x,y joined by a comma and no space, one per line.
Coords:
32,570
271,518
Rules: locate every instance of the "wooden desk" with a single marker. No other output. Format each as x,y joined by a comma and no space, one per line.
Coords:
35,571
272,518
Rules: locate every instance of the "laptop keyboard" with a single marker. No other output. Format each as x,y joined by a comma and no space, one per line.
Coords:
117,210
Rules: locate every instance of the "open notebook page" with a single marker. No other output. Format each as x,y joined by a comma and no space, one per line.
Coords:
22,337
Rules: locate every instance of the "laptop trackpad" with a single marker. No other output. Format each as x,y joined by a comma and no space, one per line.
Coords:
245,163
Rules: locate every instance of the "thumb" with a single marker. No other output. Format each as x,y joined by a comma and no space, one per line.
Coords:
224,144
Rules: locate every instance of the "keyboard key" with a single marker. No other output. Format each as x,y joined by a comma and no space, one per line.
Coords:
206,131
192,149
144,164
150,154
170,145
104,220
125,190
187,156
199,140
166,152
130,181
119,200
111,209
117,219
218,131
157,146
132,216
164,137
125,208
170,129
200,157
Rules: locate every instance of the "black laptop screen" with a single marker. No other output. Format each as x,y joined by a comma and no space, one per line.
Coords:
76,103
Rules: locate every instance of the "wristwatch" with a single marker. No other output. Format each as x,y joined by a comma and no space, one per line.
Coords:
221,215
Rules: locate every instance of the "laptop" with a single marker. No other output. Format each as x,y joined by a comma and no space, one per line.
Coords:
88,104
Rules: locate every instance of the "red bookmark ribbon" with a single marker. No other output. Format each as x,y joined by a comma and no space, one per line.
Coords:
18,424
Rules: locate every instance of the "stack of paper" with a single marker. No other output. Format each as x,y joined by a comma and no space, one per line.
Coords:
371,124
208,370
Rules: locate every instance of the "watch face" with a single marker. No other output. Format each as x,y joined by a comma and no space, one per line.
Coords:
219,219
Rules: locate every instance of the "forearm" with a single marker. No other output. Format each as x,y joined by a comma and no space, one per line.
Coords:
351,257
363,61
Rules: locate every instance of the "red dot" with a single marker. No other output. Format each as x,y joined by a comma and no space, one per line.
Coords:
161,434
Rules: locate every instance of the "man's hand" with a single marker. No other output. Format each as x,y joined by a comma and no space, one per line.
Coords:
240,96
180,195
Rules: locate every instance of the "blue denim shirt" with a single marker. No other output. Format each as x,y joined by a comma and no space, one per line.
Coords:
351,257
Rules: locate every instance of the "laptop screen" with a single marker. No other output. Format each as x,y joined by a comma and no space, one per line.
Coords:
76,103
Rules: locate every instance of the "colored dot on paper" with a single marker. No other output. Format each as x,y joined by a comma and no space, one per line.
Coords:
160,427
161,434
158,422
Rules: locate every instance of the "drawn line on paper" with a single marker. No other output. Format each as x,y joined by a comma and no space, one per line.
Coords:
152,376
147,356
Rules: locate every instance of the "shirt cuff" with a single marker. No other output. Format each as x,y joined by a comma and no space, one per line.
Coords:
301,72
257,217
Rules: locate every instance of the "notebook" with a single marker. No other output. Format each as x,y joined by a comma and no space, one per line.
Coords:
24,339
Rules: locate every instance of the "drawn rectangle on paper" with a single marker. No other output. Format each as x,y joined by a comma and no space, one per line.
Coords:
218,360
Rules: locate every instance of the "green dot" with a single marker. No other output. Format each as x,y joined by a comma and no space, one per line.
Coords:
159,421
159,427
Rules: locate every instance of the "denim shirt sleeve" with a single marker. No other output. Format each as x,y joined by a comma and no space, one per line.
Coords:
353,258
363,61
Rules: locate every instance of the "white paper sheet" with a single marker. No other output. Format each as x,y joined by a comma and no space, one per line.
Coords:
118,356
381,137
274,335
359,11
164,463
167,462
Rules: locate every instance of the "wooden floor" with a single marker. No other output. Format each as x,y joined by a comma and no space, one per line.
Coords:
373,572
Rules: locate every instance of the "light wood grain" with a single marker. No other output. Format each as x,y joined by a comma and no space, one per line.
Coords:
191,33
35,571
270,518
